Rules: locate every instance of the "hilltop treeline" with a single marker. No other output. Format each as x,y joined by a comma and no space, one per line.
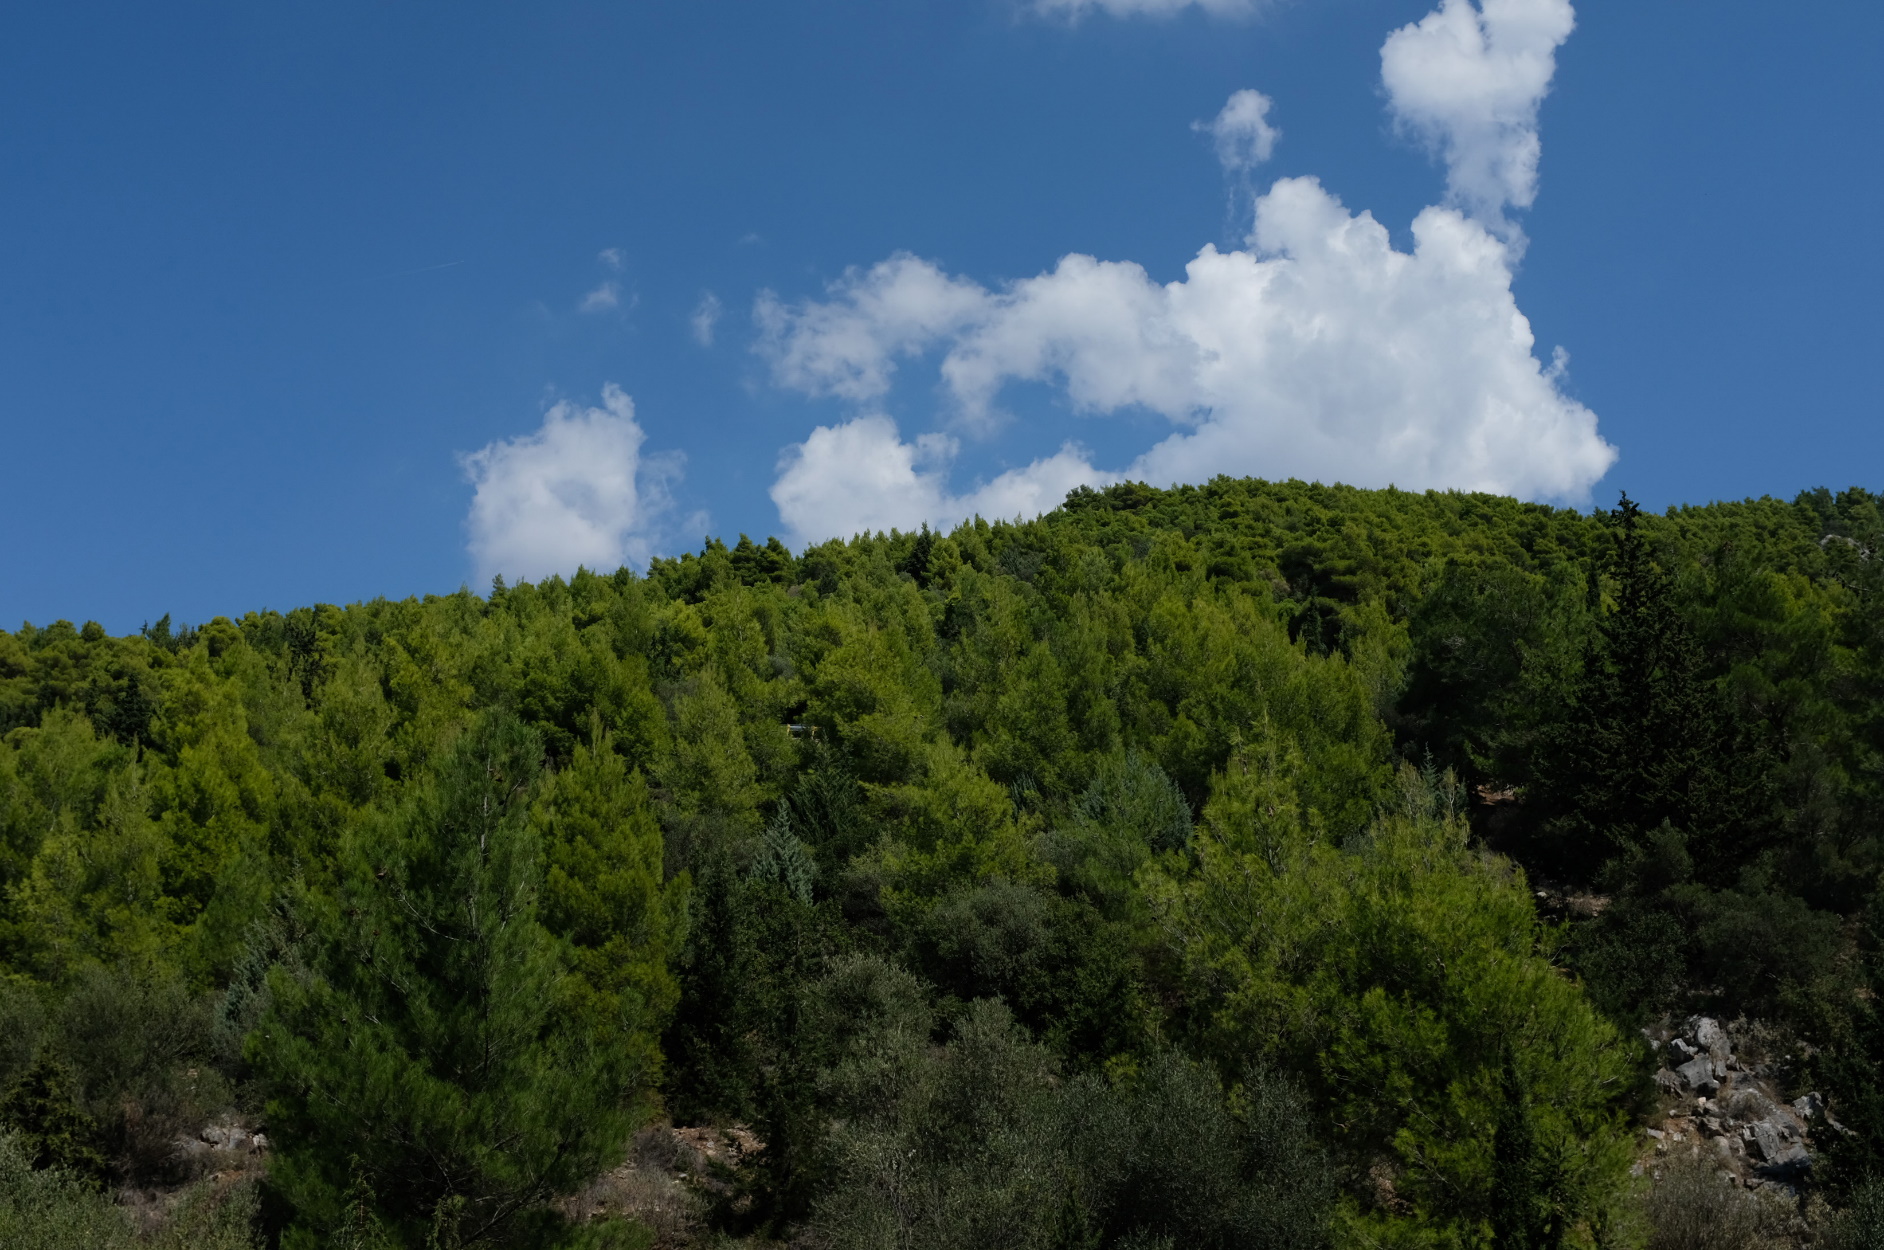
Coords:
1244,865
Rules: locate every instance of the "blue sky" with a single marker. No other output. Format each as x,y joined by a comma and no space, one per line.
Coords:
320,302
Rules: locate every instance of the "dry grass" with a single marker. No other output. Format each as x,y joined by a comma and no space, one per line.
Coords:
1693,1205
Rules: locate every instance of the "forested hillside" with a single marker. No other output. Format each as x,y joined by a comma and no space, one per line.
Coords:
1247,865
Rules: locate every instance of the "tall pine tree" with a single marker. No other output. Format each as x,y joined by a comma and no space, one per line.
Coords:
424,1049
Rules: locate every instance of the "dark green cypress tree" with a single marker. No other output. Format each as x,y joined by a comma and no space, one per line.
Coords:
1851,1070
424,1053
755,565
43,1106
793,940
1518,1215
710,1059
1647,742
920,558
736,1050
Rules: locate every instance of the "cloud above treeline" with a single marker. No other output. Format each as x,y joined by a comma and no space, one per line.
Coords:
577,492
1317,350
1468,82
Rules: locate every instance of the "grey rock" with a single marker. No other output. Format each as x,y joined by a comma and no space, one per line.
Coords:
1775,1142
1682,1049
1668,1082
1709,1036
1809,1107
225,1137
1698,1075
1792,1161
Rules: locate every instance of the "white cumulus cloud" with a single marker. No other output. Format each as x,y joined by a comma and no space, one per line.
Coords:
1244,136
1468,80
1316,350
861,476
1320,351
579,491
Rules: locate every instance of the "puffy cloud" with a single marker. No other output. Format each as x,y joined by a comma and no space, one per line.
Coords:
1102,329
1245,138
612,257
1317,350
579,491
1320,351
1469,81
861,476
1076,9
601,299
706,316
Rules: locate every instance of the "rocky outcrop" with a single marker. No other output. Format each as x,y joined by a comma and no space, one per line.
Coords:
223,1139
1732,1107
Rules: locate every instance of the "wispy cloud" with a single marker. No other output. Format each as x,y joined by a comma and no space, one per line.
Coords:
848,345
1242,131
1076,9
706,317
601,299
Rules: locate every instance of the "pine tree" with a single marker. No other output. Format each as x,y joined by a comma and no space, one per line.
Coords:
784,859
427,1054
604,898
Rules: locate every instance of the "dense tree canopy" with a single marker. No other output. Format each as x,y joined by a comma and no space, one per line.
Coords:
947,861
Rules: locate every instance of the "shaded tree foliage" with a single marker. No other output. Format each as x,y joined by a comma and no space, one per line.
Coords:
428,1043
